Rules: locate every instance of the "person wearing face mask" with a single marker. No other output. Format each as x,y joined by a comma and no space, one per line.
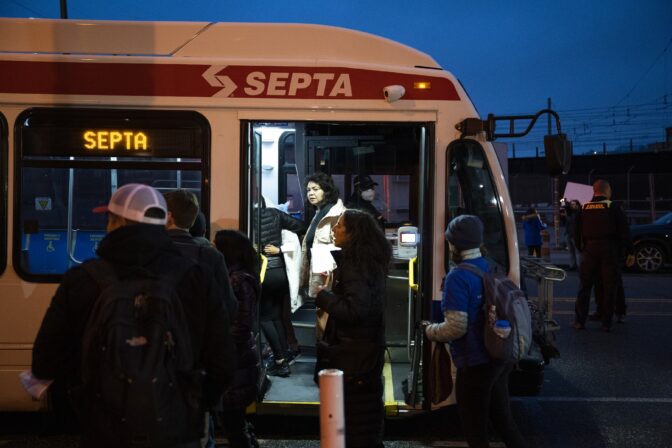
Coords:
363,196
322,194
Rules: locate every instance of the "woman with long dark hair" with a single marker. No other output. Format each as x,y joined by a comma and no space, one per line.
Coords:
354,337
243,263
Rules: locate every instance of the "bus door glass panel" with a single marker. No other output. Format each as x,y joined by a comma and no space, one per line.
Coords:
72,160
256,191
3,194
471,190
290,190
391,154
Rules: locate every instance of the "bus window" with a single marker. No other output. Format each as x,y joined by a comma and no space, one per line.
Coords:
3,194
471,190
72,160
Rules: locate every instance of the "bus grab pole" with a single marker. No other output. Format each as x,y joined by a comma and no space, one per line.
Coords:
332,420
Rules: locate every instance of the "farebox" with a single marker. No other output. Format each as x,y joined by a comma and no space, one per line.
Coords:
407,242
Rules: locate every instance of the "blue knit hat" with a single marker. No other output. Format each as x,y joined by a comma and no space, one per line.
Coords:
465,232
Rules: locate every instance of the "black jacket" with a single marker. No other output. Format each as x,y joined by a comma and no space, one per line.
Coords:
272,223
354,342
57,349
243,390
356,325
201,251
358,203
603,220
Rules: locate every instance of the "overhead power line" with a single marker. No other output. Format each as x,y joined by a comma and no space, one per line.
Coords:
667,47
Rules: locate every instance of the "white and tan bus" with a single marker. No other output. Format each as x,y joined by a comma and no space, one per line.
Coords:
232,111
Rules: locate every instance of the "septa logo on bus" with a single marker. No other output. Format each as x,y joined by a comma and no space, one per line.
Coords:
258,83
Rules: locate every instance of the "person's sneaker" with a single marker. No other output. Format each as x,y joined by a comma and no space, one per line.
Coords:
594,317
280,369
289,358
292,355
620,319
578,326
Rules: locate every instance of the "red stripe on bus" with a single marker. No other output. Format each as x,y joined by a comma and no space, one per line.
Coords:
182,80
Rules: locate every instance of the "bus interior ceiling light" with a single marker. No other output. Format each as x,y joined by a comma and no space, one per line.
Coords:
393,93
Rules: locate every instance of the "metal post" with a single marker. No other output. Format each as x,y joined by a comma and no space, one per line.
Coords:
64,9
556,211
627,177
332,419
549,117
652,196
556,199
590,174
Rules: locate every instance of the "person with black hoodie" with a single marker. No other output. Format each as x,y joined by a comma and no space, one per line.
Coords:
182,213
275,289
136,240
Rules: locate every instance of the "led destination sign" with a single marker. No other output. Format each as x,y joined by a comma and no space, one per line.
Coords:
99,140
111,133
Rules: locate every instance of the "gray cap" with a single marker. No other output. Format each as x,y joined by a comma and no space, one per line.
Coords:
465,232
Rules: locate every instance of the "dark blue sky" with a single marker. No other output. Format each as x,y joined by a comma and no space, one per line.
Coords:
606,65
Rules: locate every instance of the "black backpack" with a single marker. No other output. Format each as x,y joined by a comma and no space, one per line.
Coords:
139,387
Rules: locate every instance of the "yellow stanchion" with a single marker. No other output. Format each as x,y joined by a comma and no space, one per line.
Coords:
264,263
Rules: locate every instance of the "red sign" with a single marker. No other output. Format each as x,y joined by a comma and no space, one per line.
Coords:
234,81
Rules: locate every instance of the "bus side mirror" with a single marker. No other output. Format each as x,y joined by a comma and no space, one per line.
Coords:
558,154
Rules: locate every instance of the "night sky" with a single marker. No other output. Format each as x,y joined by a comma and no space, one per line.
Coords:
606,65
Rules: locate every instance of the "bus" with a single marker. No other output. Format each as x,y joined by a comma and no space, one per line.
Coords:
234,112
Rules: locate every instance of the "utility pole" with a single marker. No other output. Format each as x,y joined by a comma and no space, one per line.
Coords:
64,9
556,198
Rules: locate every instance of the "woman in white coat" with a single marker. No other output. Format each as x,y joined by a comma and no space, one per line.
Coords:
321,193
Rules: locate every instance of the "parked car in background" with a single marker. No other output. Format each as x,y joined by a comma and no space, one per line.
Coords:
653,244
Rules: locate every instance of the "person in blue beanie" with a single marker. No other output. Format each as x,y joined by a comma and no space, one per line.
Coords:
482,385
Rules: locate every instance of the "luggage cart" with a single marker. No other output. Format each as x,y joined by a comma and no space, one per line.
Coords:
545,274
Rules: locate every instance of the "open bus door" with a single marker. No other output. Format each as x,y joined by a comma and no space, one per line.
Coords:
395,156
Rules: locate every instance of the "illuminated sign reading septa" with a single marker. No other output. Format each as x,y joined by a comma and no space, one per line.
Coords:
106,140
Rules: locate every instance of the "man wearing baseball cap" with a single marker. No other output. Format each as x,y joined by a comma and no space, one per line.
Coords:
136,241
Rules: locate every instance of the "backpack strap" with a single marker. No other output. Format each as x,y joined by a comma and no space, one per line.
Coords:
481,274
471,268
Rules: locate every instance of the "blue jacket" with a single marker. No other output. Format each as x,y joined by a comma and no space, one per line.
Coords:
533,227
463,291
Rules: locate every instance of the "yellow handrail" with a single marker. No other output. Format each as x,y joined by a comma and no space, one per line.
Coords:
264,263
411,274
